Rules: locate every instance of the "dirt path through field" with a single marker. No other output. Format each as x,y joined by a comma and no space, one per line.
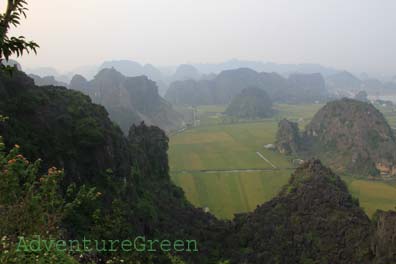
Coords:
264,158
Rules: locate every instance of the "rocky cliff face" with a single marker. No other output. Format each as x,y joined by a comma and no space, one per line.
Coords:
288,139
384,243
78,82
352,136
129,100
347,135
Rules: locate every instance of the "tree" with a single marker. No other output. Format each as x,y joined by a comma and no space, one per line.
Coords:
16,9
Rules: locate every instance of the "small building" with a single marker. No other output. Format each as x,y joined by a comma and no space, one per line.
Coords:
298,161
270,146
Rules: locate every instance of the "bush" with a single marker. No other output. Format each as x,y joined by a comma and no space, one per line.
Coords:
31,205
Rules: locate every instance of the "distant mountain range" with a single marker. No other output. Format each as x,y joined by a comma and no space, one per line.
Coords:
345,82
129,100
283,69
341,83
297,88
46,80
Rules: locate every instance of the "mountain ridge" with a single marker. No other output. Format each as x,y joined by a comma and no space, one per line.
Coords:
129,100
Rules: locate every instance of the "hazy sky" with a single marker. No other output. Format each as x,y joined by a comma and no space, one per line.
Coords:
357,35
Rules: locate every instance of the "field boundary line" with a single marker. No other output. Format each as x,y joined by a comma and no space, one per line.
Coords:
264,158
229,170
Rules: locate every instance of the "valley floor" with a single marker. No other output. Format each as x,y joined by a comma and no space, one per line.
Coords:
223,165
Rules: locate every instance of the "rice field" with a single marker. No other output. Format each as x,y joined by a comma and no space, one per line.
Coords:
217,165
225,194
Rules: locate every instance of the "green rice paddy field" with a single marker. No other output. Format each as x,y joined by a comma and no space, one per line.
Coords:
218,166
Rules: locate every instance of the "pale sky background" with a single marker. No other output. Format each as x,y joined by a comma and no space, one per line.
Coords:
356,35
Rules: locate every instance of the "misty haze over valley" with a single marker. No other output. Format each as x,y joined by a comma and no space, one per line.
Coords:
189,132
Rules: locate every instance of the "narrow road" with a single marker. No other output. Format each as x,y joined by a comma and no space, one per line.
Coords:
229,171
274,168
264,158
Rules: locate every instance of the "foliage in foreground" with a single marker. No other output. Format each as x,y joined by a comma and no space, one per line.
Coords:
16,9
31,205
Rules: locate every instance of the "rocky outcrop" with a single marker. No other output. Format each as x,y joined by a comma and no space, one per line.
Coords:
78,82
288,139
186,72
313,220
347,135
251,103
384,242
386,168
46,80
129,100
63,128
352,136
133,69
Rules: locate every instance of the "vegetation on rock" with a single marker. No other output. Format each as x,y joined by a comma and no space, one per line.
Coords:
288,138
251,103
312,220
349,136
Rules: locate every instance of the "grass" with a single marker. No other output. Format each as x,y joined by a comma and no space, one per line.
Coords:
221,144
373,195
228,193
230,146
